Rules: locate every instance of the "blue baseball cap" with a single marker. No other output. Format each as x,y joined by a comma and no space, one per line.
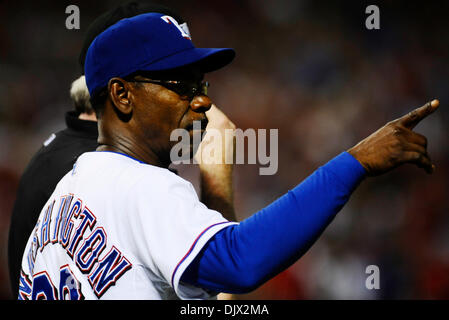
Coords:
147,42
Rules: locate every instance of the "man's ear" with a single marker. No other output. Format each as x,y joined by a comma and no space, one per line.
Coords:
120,95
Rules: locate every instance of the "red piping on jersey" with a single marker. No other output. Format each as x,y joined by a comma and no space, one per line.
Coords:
191,248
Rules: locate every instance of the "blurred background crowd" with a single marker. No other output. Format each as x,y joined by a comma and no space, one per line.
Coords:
308,68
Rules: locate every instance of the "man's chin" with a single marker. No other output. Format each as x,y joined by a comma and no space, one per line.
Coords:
193,149
187,154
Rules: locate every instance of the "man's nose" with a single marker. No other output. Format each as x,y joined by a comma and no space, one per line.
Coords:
201,103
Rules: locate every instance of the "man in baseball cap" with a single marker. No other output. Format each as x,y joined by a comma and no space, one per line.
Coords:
63,148
148,42
128,228
150,52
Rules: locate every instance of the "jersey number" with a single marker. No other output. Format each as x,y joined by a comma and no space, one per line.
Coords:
69,287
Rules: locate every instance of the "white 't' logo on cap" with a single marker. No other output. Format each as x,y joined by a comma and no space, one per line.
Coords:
182,28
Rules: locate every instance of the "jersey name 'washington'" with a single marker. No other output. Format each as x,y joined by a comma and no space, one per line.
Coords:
93,240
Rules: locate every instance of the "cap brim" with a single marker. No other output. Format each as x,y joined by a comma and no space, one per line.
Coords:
207,59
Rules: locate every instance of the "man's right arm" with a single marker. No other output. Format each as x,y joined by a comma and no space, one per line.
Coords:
215,174
241,257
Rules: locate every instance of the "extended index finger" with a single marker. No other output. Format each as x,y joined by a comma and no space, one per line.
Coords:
411,119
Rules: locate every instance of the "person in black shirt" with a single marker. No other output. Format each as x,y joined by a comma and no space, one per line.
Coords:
53,160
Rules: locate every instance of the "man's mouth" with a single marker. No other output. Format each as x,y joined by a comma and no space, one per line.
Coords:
198,124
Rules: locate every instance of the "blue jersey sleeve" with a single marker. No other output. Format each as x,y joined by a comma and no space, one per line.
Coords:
241,257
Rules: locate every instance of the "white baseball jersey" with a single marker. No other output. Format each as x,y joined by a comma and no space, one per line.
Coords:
116,228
